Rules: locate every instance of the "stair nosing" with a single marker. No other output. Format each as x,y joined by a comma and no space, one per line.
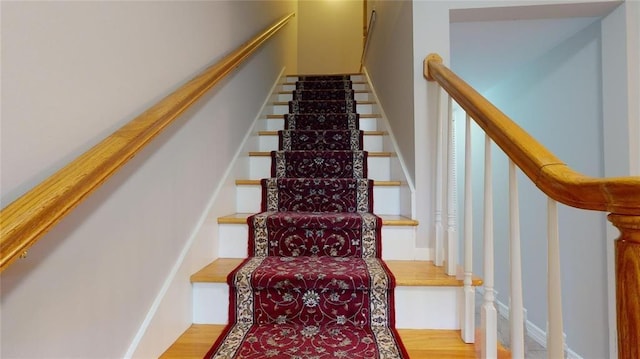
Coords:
286,103
370,153
285,92
256,182
335,74
362,115
387,220
407,273
366,133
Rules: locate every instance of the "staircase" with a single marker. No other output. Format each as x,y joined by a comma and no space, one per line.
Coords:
426,299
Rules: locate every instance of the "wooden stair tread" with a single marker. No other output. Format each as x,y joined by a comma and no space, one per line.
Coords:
354,91
286,103
407,273
362,115
387,219
256,182
420,343
268,154
325,74
366,133
358,82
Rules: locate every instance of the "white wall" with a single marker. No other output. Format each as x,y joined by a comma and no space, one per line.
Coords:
330,36
72,73
584,283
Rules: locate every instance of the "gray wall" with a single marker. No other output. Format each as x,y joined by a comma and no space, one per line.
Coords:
388,62
545,75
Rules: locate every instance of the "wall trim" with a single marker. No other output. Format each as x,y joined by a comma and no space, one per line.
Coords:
194,234
392,137
531,330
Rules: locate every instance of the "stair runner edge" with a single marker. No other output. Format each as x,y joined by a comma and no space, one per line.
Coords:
417,273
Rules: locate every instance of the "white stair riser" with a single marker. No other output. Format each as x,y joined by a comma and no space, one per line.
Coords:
372,143
358,96
360,108
379,168
387,199
275,124
416,307
427,307
398,242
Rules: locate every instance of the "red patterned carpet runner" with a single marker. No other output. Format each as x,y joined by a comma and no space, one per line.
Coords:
314,285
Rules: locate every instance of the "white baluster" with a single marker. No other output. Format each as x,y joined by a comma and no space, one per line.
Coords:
516,308
452,201
439,252
488,313
468,319
555,340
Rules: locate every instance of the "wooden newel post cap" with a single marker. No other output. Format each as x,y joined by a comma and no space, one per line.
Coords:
629,226
431,57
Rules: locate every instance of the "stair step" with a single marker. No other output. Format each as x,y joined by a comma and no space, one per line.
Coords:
420,343
362,107
387,220
398,237
368,122
371,154
373,141
286,103
425,296
387,194
407,273
366,115
256,182
366,133
379,167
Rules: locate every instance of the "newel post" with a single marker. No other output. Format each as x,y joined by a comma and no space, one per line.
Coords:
628,284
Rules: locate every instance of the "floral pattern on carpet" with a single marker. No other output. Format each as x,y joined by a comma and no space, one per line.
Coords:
320,140
319,164
314,284
317,195
314,234
325,121
312,106
331,94
324,85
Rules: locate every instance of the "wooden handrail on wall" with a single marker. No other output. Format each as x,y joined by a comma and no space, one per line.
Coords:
367,38
619,196
29,217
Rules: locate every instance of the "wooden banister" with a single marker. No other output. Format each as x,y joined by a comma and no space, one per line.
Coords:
29,217
550,174
620,196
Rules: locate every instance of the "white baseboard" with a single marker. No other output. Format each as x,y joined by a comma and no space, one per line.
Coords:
532,331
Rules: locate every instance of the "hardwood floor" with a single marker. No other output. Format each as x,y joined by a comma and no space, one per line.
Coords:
421,344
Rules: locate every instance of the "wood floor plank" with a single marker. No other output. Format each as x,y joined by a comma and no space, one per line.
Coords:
420,343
